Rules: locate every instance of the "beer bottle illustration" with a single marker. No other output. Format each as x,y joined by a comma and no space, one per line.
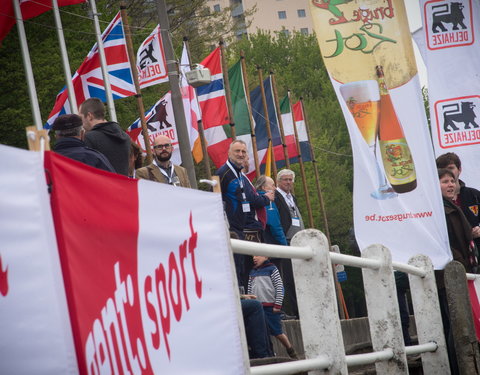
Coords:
397,158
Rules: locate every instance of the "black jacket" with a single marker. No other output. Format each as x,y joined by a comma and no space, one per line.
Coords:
470,202
284,211
110,139
74,148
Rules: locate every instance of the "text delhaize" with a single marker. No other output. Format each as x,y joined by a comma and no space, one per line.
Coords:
370,34
450,38
150,71
166,296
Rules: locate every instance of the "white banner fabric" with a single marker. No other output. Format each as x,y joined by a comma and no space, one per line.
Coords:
396,199
451,50
208,331
35,333
151,63
410,223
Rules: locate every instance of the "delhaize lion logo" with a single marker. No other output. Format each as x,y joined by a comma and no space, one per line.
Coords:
3,279
394,152
448,24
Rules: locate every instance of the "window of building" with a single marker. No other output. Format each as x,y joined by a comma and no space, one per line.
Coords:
216,8
286,32
304,30
301,13
282,14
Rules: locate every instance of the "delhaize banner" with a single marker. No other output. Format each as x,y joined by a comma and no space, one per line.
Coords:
366,47
451,49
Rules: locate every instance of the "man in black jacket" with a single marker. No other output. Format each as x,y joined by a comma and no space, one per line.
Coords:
69,133
105,136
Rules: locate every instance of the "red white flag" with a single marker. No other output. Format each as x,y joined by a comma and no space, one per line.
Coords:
147,293
474,291
29,8
35,333
191,107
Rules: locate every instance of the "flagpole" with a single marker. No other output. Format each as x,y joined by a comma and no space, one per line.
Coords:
133,67
103,63
63,52
302,167
27,65
243,65
177,100
201,130
317,178
279,118
342,308
228,94
267,121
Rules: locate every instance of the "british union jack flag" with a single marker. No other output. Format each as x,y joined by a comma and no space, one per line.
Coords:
88,79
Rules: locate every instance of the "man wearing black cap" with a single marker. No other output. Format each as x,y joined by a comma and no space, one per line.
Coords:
69,134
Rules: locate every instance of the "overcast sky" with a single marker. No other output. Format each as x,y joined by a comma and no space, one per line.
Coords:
415,22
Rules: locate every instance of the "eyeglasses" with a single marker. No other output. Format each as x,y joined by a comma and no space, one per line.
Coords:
165,146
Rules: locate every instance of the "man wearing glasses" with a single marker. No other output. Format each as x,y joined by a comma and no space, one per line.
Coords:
162,169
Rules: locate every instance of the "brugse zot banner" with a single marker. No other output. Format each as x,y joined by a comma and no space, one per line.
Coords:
451,49
366,48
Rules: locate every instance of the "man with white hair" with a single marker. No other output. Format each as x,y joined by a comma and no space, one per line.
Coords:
292,222
290,215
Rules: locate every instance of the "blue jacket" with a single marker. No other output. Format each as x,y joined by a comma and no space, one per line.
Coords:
274,231
232,196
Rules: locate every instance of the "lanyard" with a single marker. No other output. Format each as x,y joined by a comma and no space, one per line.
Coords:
291,203
169,176
239,178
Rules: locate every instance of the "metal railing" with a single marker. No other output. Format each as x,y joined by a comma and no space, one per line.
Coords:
320,323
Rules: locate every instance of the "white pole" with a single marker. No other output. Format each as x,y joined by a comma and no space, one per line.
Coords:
63,52
27,64
103,63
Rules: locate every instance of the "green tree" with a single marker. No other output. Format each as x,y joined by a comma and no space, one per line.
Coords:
186,19
296,61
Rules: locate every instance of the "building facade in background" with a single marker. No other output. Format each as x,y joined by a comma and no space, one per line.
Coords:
270,15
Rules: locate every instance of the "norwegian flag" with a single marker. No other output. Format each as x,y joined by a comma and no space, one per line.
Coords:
211,97
88,79
213,106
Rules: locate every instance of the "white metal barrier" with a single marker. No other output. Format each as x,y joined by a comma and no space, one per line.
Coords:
320,323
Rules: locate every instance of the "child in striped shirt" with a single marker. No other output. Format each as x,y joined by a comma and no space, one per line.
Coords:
266,284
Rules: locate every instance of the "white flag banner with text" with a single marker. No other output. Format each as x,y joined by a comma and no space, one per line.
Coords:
160,121
451,50
151,63
396,199
35,333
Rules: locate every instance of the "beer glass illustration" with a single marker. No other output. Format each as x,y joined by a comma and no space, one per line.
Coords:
363,101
